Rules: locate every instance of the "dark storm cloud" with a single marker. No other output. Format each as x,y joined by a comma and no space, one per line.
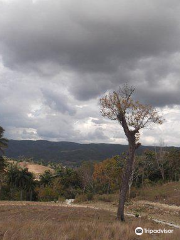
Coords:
57,57
101,43
85,36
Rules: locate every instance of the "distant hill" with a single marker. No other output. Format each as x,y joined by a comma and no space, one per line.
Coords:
68,153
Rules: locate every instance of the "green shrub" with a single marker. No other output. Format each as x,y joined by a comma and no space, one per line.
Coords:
81,198
46,194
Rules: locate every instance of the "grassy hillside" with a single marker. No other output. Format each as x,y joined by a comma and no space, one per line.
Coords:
67,153
168,193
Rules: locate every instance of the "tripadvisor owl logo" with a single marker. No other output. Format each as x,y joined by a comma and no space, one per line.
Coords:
138,231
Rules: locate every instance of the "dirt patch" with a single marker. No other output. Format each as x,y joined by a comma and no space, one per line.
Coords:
36,169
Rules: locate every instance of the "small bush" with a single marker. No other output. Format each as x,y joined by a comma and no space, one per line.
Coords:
106,197
89,196
148,183
61,199
81,198
133,193
46,194
84,198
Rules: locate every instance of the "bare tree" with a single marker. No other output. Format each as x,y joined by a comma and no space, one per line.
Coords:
86,174
132,116
160,158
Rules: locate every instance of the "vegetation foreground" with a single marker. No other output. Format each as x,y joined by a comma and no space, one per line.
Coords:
44,221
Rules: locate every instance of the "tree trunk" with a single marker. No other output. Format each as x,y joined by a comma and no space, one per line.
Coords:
21,195
125,183
31,194
130,184
143,178
108,188
162,173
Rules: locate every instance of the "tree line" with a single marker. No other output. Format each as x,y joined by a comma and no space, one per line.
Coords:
90,178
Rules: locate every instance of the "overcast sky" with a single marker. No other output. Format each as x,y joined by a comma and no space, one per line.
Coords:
58,57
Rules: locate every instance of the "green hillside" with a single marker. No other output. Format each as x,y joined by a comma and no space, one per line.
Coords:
67,153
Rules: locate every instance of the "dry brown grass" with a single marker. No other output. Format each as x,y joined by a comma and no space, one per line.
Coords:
50,222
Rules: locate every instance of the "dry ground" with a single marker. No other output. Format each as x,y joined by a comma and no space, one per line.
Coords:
164,212
50,221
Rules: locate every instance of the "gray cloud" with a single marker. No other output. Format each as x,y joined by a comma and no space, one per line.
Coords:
58,57
102,44
58,101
